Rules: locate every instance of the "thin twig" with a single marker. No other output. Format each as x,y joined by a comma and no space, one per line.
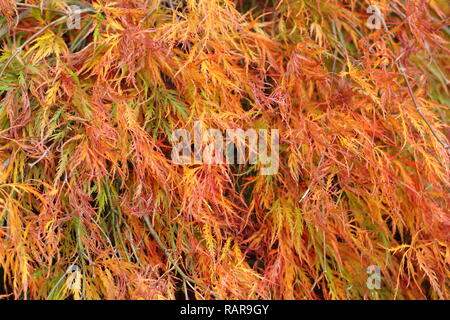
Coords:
172,261
40,158
186,295
26,5
34,36
62,277
402,70
419,110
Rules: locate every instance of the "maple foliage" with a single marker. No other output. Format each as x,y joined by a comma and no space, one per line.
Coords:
87,181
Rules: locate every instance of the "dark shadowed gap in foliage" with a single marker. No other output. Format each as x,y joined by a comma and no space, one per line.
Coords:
269,85
167,81
185,46
246,103
177,5
180,294
335,188
166,146
426,286
244,6
404,238
254,261
352,222
5,288
317,290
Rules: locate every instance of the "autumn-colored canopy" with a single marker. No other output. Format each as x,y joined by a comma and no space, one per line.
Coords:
93,207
